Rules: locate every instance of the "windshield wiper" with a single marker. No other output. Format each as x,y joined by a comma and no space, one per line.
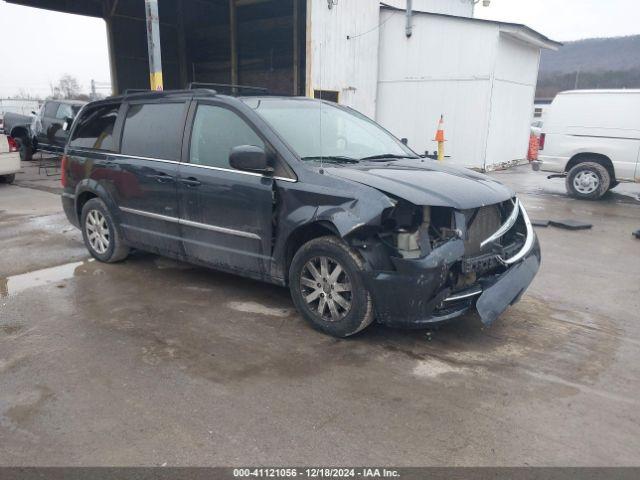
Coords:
387,156
333,158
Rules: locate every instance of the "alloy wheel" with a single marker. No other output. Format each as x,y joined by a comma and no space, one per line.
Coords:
98,232
326,288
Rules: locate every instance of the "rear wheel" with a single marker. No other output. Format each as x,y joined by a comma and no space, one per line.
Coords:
588,181
326,285
8,178
25,149
101,234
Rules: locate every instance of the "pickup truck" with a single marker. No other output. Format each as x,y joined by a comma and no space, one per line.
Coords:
42,131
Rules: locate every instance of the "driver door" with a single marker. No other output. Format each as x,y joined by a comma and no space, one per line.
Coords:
226,214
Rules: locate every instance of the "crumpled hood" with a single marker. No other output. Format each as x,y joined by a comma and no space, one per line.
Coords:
427,183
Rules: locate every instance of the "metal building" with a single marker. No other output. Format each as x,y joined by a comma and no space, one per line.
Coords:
480,74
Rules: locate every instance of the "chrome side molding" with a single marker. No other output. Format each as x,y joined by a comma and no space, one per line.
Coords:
189,223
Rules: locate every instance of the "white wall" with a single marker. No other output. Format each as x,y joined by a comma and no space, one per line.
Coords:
23,107
513,93
462,8
334,62
444,68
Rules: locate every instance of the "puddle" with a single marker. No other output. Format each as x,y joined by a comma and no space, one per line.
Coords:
19,283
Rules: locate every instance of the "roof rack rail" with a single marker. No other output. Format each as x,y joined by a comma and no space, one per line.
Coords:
129,91
230,89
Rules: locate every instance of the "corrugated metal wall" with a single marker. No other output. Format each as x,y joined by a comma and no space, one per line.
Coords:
444,68
461,8
515,78
343,54
483,82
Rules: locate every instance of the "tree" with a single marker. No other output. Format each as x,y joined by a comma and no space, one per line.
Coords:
67,88
25,95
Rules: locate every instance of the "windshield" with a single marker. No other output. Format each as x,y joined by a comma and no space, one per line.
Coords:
321,130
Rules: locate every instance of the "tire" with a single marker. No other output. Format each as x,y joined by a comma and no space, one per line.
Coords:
9,179
106,245
25,149
339,318
588,181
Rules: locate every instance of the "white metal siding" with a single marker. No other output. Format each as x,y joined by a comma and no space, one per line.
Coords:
444,68
461,8
349,66
513,92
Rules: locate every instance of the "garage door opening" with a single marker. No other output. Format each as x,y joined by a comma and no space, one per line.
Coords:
247,42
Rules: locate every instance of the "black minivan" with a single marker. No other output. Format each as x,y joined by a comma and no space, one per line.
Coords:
302,193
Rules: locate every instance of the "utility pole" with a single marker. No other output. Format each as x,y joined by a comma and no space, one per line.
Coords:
93,89
409,26
153,43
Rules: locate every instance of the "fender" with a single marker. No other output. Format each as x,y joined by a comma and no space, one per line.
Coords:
327,207
99,190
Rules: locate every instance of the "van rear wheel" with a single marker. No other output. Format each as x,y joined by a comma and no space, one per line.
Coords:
588,181
101,234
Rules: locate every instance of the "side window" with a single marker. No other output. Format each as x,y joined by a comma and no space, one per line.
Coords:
154,130
216,131
50,109
64,111
95,128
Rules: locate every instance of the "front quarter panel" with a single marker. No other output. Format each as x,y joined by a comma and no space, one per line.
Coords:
334,203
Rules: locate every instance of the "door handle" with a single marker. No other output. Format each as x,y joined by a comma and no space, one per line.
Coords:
191,182
163,178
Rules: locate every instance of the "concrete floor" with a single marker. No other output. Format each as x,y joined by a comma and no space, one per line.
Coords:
151,362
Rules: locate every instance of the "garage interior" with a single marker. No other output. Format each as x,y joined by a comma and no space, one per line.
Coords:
242,42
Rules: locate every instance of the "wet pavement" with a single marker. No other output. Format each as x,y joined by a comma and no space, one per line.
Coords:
153,362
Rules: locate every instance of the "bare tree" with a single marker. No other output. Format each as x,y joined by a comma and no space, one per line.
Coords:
67,87
25,95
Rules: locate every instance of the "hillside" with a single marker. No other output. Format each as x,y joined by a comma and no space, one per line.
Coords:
591,63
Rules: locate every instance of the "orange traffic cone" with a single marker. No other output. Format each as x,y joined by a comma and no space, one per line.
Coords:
440,138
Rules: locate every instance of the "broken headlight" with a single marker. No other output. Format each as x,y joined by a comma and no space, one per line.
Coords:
413,232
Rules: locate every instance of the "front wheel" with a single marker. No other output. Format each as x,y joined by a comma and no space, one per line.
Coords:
326,285
8,178
588,181
100,233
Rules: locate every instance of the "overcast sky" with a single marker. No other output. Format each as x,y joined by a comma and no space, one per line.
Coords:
51,44
569,19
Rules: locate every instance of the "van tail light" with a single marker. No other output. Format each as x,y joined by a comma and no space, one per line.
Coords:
63,170
543,137
13,145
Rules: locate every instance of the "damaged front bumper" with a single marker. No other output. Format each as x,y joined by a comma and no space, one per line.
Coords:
414,293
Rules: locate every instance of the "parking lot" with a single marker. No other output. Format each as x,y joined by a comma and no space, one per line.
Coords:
152,362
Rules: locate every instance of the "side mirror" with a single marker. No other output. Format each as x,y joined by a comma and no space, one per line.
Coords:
250,158
66,126
405,141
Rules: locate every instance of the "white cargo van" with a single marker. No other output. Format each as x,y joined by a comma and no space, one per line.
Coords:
593,138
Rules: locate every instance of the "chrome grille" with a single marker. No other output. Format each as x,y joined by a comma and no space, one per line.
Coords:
486,222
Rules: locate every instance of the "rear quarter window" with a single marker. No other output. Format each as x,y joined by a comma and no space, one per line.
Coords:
50,109
154,130
95,129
